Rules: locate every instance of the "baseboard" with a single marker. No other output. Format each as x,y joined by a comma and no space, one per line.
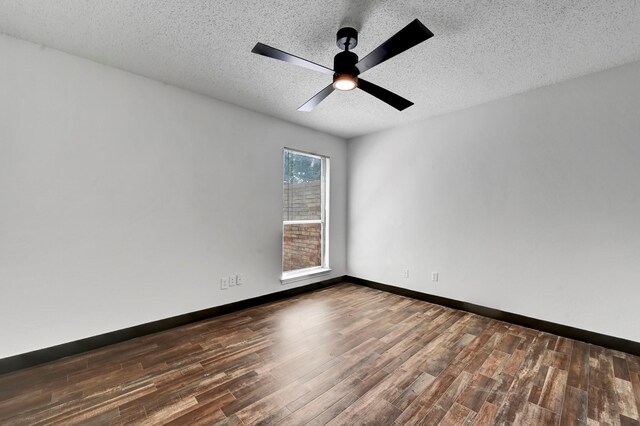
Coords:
41,356
586,336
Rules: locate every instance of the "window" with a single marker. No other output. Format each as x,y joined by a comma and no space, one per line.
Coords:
305,219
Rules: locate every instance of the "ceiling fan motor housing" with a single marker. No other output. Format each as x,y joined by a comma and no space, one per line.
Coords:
345,63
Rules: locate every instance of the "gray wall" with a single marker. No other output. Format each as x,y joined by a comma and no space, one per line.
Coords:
123,200
530,204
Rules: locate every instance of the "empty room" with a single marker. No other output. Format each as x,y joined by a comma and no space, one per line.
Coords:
353,212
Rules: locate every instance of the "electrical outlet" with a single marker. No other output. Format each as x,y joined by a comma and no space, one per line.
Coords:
233,279
239,279
224,283
434,276
405,273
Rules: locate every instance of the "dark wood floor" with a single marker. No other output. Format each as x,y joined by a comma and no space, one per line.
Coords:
343,355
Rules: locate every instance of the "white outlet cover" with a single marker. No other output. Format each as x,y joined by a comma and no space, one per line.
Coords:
224,283
239,279
434,276
232,281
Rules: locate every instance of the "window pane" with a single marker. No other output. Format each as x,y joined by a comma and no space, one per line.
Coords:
302,246
302,187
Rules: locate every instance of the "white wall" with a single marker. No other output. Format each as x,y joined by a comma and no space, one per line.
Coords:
529,204
123,200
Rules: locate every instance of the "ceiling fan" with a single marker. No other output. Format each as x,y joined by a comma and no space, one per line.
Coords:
347,68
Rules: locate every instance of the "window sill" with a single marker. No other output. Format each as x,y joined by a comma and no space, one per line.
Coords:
302,274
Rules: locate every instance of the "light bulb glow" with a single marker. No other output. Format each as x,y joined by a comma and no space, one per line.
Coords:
345,82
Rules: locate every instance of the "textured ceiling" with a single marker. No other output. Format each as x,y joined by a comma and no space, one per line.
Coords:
482,50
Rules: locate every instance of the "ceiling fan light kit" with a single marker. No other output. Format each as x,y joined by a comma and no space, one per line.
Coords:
345,82
347,67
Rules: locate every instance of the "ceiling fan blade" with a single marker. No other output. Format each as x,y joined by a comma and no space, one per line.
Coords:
411,35
319,97
272,52
396,101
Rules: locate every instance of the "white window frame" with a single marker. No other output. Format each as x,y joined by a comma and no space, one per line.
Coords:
302,274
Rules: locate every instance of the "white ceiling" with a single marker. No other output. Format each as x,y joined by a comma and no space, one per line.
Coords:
482,50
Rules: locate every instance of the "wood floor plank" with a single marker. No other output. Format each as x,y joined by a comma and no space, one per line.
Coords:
559,360
412,392
509,343
345,354
486,415
419,408
574,410
499,391
564,345
620,368
635,384
579,366
388,389
627,421
518,394
457,415
552,395
634,363
264,408
209,411
315,407
600,408
166,412
513,363
334,410
477,392
325,381
625,397
134,414
448,399
493,363
379,413
535,415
